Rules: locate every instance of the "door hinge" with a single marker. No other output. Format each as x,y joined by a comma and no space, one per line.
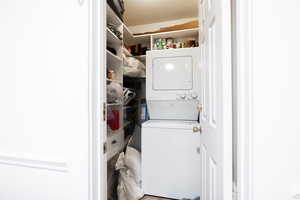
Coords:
104,148
104,111
200,107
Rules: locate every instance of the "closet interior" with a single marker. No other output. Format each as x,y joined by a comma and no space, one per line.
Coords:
126,87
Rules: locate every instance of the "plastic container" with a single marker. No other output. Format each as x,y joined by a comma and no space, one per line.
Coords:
114,120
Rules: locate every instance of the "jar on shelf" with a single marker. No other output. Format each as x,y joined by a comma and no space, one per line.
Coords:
111,75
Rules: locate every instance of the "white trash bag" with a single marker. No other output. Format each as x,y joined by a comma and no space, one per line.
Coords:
114,93
133,67
129,166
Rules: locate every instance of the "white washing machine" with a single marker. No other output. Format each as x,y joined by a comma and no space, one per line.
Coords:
171,159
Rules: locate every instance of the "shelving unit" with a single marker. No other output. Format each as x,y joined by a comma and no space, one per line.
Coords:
128,36
149,38
115,81
129,107
186,33
116,143
115,138
114,63
112,39
113,58
130,39
114,104
112,18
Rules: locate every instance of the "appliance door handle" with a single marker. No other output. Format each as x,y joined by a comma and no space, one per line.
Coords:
197,128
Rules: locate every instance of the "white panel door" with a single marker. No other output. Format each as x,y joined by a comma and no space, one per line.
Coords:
216,117
44,127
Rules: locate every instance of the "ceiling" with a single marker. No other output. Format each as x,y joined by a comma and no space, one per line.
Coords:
138,12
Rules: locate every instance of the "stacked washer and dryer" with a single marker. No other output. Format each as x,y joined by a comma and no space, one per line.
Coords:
171,139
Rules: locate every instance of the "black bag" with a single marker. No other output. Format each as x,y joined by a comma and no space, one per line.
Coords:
118,7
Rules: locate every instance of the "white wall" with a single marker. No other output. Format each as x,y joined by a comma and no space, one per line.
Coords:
276,99
156,26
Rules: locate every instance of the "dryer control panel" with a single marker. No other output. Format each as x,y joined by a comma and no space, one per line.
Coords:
187,96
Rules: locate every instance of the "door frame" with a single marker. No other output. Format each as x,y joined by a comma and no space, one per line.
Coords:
244,97
224,21
97,98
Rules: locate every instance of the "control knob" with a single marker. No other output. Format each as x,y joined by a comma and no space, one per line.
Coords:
183,96
194,96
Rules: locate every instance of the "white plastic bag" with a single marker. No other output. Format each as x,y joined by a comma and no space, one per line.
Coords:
114,93
133,67
134,72
133,162
129,166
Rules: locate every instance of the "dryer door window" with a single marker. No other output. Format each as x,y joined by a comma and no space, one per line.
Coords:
174,73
